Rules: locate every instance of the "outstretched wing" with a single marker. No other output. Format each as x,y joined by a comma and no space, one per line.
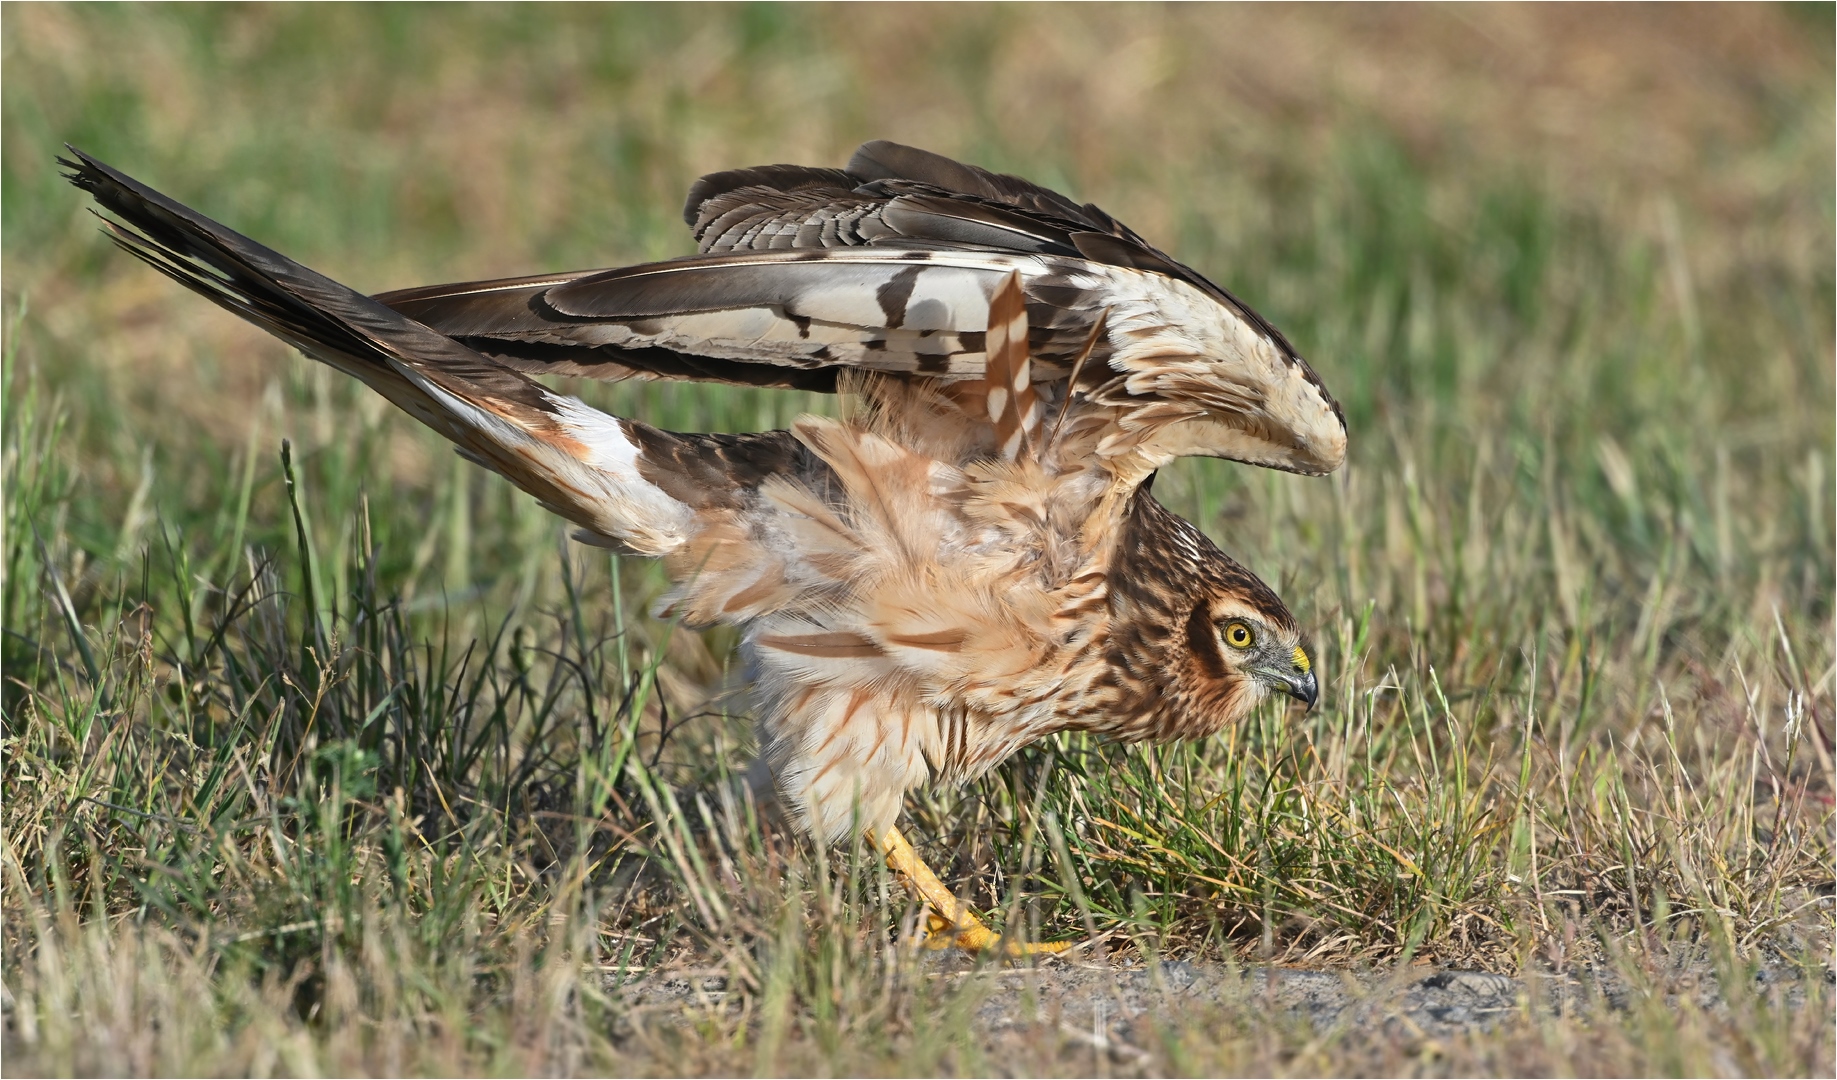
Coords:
627,485
771,318
890,266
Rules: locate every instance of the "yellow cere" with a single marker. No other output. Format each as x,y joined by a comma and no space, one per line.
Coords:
1301,660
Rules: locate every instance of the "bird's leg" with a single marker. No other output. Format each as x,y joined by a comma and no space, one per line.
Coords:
951,922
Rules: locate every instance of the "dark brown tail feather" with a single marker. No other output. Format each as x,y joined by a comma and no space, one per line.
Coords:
328,321
427,374
396,355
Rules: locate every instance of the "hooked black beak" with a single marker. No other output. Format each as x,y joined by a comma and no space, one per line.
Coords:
1299,679
1303,687
1295,676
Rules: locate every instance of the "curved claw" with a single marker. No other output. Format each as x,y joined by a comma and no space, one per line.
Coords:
982,941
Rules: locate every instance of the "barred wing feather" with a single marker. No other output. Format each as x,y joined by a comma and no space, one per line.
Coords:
889,266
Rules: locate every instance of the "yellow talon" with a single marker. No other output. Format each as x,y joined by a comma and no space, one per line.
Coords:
950,922
980,939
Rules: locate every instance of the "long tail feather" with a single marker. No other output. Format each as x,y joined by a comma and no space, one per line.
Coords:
579,462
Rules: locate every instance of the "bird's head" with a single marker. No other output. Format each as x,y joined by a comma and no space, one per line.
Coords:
1198,640
1242,645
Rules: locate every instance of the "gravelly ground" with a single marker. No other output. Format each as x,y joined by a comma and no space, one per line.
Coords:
1116,1007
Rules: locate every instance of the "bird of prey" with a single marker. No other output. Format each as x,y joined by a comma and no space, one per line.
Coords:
970,560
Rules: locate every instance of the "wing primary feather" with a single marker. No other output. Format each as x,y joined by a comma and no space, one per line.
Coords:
579,462
1071,383
1009,374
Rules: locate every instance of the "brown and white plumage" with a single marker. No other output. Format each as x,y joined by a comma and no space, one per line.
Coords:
968,562
889,266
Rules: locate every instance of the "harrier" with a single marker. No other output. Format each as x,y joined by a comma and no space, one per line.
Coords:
967,562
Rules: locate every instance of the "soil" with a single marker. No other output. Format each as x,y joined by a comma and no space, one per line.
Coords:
1116,1008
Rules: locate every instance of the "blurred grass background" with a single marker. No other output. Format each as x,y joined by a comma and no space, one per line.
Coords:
1568,268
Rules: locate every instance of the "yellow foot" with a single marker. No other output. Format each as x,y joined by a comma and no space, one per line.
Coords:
951,922
979,939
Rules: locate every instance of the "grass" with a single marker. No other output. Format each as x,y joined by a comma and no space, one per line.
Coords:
331,755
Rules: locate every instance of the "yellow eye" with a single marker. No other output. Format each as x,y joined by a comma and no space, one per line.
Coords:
1238,636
